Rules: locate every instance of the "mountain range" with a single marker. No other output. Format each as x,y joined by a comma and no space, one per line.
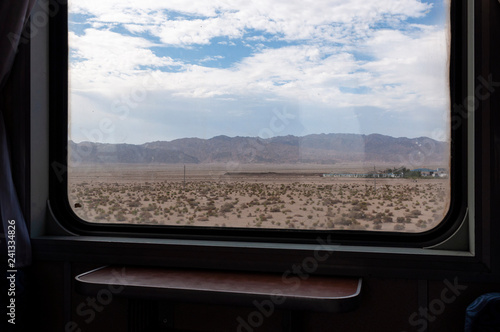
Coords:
316,148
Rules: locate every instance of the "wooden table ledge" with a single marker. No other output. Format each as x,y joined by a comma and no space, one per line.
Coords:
305,293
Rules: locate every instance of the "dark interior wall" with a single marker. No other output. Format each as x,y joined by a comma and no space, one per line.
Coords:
451,317
387,304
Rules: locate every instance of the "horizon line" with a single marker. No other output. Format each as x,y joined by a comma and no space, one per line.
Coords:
222,135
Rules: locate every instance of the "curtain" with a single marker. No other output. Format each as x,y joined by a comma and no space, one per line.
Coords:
14,15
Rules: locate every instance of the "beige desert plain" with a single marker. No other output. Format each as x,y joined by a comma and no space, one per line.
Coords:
259,196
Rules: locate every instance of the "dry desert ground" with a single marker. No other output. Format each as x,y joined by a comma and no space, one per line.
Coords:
260,196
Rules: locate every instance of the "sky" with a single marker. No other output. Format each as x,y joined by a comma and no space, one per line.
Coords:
157,70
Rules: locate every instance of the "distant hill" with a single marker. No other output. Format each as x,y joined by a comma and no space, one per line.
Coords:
317,148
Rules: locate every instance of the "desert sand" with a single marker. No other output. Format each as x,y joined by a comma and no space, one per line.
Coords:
257,196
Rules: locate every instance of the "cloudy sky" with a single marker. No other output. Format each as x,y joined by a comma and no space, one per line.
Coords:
151,70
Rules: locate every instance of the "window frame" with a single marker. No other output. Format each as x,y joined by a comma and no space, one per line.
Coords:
352,257
436,235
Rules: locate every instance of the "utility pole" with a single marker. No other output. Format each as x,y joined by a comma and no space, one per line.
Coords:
184,177
374,178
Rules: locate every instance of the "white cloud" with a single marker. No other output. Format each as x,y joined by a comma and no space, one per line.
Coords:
328,50
416,65
105,58
404,69
212,58
198,31
293,19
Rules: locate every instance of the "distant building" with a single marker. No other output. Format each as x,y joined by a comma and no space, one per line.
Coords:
425,171
442,173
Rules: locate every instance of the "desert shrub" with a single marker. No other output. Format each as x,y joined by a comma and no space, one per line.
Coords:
413,214
331,201
226,207
363,205
120,217
150,207
134,204
387,219
356,214
421,223
330,213
145,215
416,212
345,221
399,227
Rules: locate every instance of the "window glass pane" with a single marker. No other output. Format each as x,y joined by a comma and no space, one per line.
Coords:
265,114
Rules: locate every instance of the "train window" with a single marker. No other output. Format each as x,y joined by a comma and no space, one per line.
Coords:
284,117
